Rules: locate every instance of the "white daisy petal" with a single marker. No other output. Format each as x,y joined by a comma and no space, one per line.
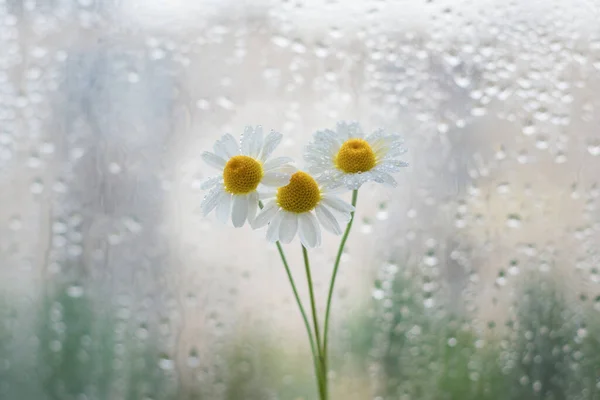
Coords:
252,206
398,163
287,169
327,219
316,169
354,130
383,177
333,188
230,145
239,212
331,180
271,142
246,139
224,207
326,144
349,129
210,182
355,181
265,215
397,147
211,200
337,204
277,173
321,153
220,150
288,227
390,166
397,152
322,164
341,218
267,194
308,230
213,160
276,179
277,162
273,229
386,142
372,137
319,241
257,142
328,136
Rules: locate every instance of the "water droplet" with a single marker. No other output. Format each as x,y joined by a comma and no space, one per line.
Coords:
142,332
382,215
193,360
541,142
366,227
281,41
55,346
157,54
15,223
166,363
593,147
59,227
225,103
114,168
133,77
501,279
75,291
378,293
430,260
47,148
514,268
503,188
513,221
560,158
37,186
203,104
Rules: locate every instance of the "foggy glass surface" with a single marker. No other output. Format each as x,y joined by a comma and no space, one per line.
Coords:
478,277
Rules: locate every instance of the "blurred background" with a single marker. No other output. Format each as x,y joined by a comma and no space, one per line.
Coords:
478,277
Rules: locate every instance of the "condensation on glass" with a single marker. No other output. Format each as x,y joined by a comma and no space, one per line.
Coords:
478,277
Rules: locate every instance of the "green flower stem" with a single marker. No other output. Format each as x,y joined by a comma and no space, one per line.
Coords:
304,317
332,283
316,324
315,352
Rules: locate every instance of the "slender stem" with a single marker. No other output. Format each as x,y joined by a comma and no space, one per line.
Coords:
315,321
333,276
316,356
315,352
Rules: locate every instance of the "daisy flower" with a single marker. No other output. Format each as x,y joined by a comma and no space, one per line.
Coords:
244,168
300,207
347,157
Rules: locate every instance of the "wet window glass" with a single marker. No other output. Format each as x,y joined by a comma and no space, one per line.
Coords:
464,132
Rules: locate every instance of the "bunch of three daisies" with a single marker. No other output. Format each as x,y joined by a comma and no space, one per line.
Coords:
300,202
297,202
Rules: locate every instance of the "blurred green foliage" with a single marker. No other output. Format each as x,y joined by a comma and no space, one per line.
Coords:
78,350
549,348
82,350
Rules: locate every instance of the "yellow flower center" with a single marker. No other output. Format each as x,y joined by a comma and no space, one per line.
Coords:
242,174
355,155
301,195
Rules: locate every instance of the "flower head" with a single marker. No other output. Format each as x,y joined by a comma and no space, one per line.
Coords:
347,157
299,207
244,167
